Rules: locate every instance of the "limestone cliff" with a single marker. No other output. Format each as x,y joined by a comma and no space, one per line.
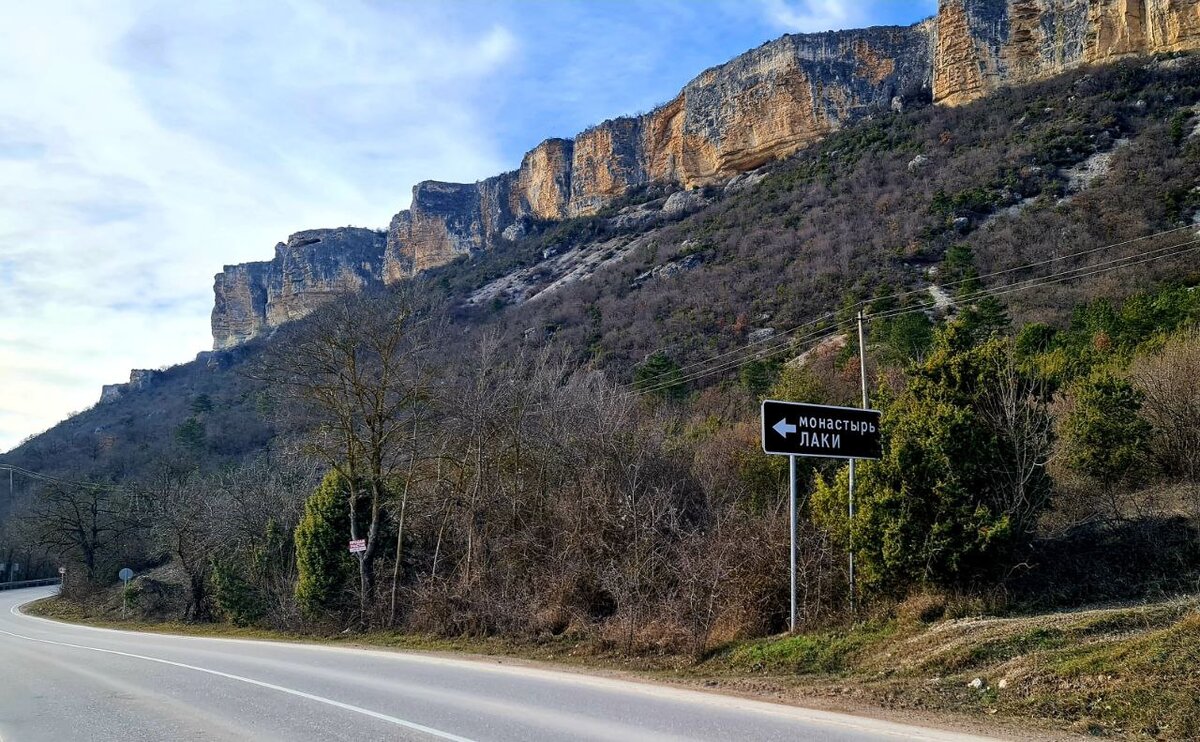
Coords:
308,270
758,107
981,44
761,106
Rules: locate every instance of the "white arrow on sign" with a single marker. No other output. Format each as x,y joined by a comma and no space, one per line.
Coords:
783,428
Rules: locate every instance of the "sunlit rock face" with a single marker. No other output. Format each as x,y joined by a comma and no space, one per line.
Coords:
240,306
758,107
981,44
773,100
308,270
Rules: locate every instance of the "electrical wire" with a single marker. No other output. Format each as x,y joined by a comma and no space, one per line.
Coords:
789,342
862,304
784,344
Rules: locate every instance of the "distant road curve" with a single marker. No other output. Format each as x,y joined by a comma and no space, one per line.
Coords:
64,682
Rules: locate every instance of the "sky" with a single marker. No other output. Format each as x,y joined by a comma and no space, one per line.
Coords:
144,145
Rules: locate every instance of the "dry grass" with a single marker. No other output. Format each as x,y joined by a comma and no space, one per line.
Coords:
1126,671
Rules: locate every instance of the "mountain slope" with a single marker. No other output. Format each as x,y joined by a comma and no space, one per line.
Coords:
757,108
868,210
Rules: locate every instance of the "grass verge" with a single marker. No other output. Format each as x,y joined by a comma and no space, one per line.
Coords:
1127,672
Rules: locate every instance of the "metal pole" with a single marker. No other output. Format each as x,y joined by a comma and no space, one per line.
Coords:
850,530
862,359
792,553
862,373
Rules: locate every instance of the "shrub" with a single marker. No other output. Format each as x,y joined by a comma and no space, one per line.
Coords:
235,597
962,476
321,557
1104,436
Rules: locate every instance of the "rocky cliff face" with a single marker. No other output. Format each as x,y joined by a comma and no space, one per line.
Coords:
758,107
308,270
761,106
982,44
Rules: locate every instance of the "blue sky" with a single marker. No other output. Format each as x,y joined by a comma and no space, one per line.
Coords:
145,144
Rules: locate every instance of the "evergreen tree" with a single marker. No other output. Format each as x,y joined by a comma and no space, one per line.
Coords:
1105,436
235,596
756,376
962,476
660,376
322,537
190,435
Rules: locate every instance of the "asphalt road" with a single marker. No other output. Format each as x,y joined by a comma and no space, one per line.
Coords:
63,682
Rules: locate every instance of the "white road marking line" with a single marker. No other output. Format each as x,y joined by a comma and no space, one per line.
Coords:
800,714
251,681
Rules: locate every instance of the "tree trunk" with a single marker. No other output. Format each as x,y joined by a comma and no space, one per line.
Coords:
399,556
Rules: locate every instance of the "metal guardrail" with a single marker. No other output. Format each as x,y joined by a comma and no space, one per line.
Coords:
30,583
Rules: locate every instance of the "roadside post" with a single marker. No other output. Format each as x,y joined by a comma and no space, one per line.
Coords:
126,574
797,429
862,373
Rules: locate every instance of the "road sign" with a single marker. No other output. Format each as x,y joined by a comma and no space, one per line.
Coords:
126,574
358,545
62,570
797,429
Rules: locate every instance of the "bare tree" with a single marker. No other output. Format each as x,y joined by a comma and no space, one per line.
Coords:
1169,381
184,520
1018,410
82,523
358,375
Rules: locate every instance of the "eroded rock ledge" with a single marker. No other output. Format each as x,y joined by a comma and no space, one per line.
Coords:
760,106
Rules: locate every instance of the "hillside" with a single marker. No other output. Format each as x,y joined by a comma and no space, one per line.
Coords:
1088,159
551,440
755,109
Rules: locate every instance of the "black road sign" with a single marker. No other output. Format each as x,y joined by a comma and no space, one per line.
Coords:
796,429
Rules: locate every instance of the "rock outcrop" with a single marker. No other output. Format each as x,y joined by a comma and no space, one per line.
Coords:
731,119
759,107
982,44
308,270
139,378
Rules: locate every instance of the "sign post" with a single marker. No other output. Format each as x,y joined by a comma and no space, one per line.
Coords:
793,517
126,574
795,429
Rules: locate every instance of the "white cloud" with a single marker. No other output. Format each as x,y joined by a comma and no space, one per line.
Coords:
809,16
145,143
143,146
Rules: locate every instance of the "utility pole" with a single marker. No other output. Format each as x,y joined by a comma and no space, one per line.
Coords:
862,371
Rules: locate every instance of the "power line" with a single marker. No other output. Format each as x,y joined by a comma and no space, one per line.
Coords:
862,304
785,344
1059,277
29,473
